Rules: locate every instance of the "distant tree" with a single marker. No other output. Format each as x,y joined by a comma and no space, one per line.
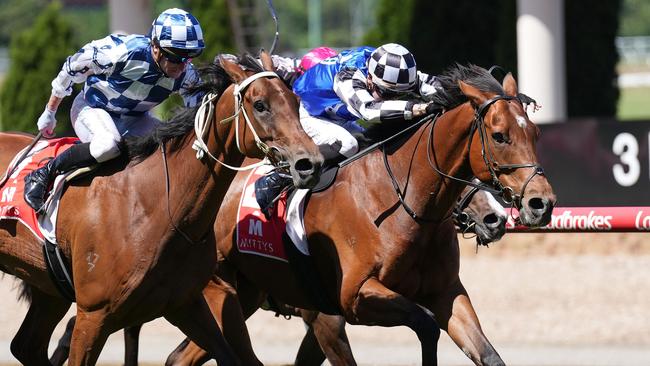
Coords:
635,18
36,56
393,23
440,32
16,16
215,22
591,57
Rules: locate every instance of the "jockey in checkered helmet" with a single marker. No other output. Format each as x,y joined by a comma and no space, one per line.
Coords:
124,77
178,35
392,71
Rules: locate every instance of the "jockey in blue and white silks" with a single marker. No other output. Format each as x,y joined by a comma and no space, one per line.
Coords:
375,85
124,78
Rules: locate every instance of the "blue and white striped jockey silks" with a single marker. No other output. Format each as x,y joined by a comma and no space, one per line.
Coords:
393,67
121,76
176,28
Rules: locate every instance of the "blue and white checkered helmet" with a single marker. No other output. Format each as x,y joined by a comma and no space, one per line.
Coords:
393,67
176,28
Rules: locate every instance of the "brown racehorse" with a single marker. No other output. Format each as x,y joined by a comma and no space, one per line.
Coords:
139,234
476,212
389,259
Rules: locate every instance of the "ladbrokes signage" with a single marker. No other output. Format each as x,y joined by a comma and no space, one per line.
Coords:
583,219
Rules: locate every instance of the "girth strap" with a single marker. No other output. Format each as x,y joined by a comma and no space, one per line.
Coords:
59,270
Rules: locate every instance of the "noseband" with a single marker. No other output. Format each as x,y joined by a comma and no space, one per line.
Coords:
506,193
460,217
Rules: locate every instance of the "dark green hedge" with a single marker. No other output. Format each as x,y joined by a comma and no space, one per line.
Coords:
36,55
441,32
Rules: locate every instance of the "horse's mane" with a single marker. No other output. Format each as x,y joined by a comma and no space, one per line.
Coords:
449,94
214,79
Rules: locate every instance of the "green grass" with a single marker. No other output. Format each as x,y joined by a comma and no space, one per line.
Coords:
634,104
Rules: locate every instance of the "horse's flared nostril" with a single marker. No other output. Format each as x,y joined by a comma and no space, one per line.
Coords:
305,167
490,219
537,204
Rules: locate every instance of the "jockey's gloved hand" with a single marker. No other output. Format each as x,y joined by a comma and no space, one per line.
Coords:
47,122
432,108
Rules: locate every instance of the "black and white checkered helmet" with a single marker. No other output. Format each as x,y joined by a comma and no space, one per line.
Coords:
176,28
393,67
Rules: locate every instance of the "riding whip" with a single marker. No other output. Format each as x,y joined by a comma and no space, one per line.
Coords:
277,31
21,158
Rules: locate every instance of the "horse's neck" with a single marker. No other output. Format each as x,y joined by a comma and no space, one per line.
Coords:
197,187
430,195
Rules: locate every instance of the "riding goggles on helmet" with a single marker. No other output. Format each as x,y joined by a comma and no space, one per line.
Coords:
177,56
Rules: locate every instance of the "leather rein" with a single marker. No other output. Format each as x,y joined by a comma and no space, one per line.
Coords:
506,193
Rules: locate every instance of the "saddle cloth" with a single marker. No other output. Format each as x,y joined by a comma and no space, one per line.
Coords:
259,236
12,202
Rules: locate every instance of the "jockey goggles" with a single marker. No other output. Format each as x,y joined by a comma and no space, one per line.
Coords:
389,94
178,55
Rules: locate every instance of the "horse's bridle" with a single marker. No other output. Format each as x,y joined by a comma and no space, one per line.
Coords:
203,116
494,168
460,217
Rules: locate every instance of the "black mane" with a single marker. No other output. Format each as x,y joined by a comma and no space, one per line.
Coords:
214,79
449,95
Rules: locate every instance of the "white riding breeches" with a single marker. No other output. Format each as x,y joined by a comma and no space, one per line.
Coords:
326,132
104,132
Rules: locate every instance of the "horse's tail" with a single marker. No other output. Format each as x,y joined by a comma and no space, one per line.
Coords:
25,292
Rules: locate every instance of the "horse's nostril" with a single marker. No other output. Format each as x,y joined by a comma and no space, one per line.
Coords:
304,165
537,204
490,219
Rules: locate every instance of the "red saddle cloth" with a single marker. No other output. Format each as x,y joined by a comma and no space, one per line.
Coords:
255,234
12,203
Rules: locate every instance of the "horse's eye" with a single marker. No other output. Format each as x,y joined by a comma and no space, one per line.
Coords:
259,106
498,137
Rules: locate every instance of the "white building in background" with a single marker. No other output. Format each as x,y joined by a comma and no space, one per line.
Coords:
540,56
130,16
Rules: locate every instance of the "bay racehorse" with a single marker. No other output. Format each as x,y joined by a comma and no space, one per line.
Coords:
476,212
139,232
389,259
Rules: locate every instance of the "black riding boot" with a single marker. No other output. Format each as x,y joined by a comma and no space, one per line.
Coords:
268,188
37,182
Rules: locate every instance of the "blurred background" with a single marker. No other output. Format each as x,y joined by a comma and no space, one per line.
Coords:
593,58
548,298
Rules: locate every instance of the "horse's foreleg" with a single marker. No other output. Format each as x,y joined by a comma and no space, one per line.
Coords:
131,341
225,307
30,344
325,337
88,337
62,350
457,316
374,304
195,320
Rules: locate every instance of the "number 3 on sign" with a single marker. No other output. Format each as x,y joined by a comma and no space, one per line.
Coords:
627,148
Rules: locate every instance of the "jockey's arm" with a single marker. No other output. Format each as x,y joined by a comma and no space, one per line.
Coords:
97,57
428,85
351,87
191,80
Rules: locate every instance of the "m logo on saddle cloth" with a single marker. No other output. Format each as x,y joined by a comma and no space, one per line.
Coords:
259,236
12,203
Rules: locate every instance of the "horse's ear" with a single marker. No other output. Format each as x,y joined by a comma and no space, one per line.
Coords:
510,85
267,61
233,70
475,96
